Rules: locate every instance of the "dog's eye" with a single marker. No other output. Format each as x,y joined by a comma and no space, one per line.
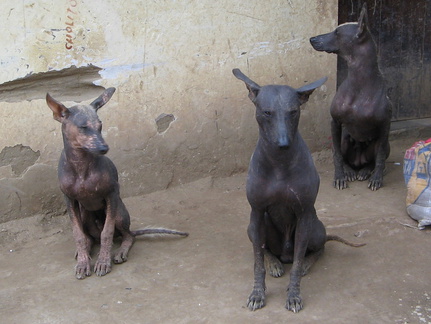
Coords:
83,127
293,113
267,113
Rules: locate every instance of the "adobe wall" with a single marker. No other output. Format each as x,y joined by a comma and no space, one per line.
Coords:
178,113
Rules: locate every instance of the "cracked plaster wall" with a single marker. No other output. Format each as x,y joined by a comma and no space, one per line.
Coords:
178,113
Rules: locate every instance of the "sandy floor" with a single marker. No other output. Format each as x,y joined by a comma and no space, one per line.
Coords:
207,277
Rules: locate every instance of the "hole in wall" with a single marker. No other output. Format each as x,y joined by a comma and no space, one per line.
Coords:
163,122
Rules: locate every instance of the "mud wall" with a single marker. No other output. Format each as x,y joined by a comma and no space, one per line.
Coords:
178,113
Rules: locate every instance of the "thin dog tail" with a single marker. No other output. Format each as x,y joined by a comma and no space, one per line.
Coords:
340,239
158,232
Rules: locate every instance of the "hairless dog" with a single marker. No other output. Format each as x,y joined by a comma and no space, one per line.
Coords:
89,181
361,111
282,186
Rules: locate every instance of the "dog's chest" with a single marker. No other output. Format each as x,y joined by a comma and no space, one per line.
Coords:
351,103
362,116
347,106
279,194
89,191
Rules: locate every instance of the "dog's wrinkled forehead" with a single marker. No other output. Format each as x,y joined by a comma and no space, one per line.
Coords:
83,115
275,96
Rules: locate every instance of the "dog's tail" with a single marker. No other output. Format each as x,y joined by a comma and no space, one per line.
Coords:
158,232
340,239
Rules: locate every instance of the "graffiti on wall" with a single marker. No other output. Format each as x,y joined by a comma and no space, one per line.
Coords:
71,14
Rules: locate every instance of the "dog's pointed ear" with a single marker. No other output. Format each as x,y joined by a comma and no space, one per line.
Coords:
103,98
305,91
363,21
59,111
252,86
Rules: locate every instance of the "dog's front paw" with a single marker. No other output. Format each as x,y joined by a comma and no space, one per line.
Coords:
83,269
256,299
294,302
102,267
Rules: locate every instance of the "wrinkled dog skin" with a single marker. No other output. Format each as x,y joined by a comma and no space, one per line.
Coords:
361,112
89,181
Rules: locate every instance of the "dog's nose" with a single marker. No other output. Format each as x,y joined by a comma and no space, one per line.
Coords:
316,43
283,144
103,149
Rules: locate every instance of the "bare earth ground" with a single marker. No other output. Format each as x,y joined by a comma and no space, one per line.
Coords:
207,277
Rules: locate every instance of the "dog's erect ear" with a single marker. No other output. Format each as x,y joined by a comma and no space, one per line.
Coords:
252,86
305,91
58,109
103,98
363,21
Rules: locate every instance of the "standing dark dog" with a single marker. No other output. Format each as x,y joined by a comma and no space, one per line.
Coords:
282,186
361,112
89,181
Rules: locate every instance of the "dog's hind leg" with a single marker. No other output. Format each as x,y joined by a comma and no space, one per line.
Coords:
273,265
365,172
122,224
310,259
126,243
273,246
316,245
103,263
351,151
366,159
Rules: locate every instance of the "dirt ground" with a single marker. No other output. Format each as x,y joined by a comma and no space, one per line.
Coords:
207,277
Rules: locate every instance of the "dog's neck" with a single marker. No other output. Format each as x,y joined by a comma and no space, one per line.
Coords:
363,63
79,160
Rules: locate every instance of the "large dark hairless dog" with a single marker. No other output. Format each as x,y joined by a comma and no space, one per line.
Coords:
282,186
89,181
361,112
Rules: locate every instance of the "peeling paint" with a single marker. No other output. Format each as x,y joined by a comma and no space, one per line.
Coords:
19,157
121,71
72,83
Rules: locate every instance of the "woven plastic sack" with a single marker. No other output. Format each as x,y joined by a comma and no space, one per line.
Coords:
417,174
